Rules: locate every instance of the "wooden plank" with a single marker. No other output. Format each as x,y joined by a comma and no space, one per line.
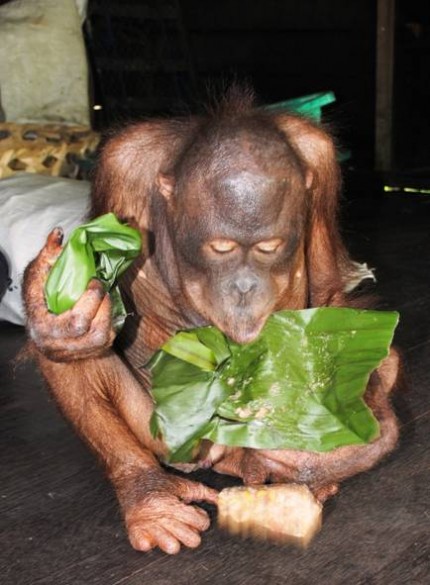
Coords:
142,11
237,15
384,84
307,54
60,524
141,65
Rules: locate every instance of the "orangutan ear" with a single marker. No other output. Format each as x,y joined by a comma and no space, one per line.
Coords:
329,266
166,185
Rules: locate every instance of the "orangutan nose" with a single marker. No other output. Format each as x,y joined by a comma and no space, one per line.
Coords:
245,283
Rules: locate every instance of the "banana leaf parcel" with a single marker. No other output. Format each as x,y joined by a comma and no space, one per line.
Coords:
300,385
104,249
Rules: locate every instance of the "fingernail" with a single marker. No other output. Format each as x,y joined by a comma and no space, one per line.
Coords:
59,235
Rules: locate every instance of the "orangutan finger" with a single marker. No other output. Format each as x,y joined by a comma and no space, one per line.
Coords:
183,533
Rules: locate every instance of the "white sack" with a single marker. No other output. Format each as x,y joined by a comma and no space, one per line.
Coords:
43,64
30,207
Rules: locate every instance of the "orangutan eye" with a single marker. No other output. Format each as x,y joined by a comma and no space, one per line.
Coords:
268,246
223,246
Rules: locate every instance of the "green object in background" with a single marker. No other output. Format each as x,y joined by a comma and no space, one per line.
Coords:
414,190
103,249
300,385
308,105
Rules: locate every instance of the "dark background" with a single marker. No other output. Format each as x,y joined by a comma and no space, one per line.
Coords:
152,57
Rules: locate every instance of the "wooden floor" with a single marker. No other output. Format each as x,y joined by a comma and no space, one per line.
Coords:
59,523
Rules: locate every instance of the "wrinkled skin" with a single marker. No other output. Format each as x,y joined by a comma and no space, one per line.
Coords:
239,210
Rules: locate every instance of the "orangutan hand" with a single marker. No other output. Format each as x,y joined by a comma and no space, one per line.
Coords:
84,331
157,511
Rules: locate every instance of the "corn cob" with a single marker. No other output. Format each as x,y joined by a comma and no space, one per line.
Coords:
278,513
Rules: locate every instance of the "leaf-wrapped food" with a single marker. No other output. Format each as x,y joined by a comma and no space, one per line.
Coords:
103,248
300,385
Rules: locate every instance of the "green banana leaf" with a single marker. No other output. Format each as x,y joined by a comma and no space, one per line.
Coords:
300,385
103,248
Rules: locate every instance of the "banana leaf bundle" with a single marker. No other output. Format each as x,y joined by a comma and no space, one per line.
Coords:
300,385
103,249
